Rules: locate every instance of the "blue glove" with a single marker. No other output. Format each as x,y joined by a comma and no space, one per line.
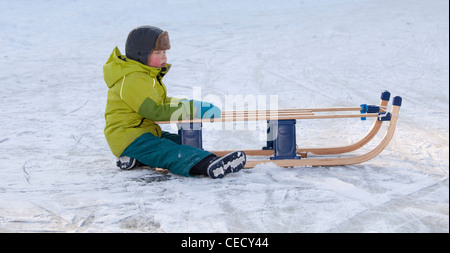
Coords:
205,110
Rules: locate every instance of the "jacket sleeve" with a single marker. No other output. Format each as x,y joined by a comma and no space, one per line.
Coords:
141,94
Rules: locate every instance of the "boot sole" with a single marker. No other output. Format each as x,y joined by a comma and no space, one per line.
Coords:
230,163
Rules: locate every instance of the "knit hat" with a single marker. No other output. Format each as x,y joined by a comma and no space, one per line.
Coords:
143,40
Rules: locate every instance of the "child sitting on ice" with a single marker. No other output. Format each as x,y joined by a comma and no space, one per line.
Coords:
137,98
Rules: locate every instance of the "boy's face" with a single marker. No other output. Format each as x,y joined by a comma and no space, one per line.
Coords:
157,59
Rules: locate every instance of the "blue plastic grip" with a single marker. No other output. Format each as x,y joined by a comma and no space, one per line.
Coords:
385,116
373,109
363,108
397,101
385,95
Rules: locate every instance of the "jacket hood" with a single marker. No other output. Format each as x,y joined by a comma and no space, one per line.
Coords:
119,65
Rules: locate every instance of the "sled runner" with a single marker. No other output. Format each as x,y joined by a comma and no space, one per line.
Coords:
281,134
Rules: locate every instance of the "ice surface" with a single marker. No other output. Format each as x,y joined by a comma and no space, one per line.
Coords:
57,173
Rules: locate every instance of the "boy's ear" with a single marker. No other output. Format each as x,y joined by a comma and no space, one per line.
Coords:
163,41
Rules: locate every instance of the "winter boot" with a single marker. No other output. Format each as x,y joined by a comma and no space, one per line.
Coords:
127,163
230,163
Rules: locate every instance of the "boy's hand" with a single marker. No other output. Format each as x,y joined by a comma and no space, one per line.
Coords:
205,110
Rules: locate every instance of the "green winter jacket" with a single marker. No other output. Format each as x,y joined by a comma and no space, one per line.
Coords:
136,98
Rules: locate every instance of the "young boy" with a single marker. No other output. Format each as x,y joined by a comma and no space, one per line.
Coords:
137,97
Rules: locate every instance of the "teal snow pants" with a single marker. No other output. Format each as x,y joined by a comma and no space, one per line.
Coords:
165,152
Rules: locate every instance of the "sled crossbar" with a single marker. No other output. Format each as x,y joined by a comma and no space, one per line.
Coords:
281,136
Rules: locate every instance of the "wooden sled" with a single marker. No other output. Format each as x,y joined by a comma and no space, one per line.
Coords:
281,137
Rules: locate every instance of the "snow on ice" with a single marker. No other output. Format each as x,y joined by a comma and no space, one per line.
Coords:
57,173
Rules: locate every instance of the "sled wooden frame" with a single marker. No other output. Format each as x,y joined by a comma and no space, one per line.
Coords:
287,115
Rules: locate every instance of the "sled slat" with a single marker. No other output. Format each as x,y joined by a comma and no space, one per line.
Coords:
273,117
325,109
